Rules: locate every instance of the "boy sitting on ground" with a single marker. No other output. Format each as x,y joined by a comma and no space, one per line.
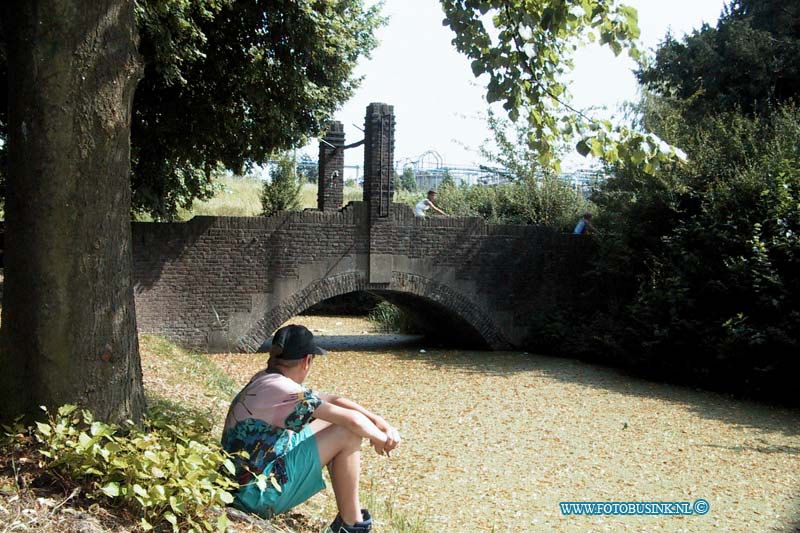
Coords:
289,432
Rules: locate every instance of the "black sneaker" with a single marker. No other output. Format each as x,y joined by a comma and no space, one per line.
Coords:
365,526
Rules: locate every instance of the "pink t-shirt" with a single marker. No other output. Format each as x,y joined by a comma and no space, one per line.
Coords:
268,397
261,421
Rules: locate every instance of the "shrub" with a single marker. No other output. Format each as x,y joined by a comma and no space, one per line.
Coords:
391,319
696,275
282,191
545,200
407,181
168,472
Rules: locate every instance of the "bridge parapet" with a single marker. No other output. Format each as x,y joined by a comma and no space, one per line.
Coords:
222,283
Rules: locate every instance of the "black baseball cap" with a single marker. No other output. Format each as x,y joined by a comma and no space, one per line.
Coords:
294,342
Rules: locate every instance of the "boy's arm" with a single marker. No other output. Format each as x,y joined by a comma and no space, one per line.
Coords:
393,436
437,209
353,420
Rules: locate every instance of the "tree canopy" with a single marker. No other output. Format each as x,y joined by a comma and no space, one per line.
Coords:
525,47
696,270
747,62
228,82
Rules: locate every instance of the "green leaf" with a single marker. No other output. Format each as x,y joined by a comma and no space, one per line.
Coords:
477,68
223,523
84,441
66,410
159,491
44,429
111,489
583,148
112,447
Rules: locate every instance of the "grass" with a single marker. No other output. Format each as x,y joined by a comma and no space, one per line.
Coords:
186,385
241,197
185,379
237,197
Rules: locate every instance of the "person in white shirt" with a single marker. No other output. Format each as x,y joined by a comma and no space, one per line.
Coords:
427,203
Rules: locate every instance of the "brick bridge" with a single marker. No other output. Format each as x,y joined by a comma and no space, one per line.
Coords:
226,283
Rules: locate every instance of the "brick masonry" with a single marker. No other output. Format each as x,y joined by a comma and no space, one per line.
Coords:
330,182
226,283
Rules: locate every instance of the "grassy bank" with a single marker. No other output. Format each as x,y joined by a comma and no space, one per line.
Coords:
241,197
184,386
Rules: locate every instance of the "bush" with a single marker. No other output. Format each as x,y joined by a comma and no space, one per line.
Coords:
169,472
391,319
546,200
282,191
696,275
407,181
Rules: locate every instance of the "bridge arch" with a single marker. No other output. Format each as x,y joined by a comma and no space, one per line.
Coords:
403,284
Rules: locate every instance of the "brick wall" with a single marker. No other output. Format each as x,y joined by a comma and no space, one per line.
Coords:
219,283
224,283
330,183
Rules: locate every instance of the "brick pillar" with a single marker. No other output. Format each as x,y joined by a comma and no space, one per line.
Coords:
379,189
330,192
379,159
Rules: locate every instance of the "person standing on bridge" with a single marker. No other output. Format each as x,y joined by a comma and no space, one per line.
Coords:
427,203
289,432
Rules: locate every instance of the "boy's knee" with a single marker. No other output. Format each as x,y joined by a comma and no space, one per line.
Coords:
351,440
346,440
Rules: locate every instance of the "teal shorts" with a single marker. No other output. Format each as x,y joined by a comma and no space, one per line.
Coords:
304,479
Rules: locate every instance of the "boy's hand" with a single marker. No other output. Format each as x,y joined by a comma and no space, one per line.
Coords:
392,439
378,445
385,447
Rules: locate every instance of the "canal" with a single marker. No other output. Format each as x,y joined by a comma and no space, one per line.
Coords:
494,441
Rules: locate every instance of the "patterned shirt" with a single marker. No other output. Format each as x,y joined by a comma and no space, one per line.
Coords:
260,421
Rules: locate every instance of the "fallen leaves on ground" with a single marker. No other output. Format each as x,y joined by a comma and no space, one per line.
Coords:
498,439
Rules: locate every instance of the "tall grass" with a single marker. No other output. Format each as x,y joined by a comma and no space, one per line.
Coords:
241,197
237,196
391,319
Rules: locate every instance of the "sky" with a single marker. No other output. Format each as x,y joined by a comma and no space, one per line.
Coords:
438,103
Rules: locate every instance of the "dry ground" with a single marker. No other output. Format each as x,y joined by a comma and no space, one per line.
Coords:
494,441
497,440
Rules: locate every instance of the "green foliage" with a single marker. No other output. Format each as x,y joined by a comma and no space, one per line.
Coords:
168,473
308,169
546,200
226,83
407,181
748,61
525,51
697,269
282,191
695,275
391,319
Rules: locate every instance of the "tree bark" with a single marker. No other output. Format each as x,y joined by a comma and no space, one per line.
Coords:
68,320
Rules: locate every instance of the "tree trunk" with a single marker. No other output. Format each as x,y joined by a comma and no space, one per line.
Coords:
68,320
